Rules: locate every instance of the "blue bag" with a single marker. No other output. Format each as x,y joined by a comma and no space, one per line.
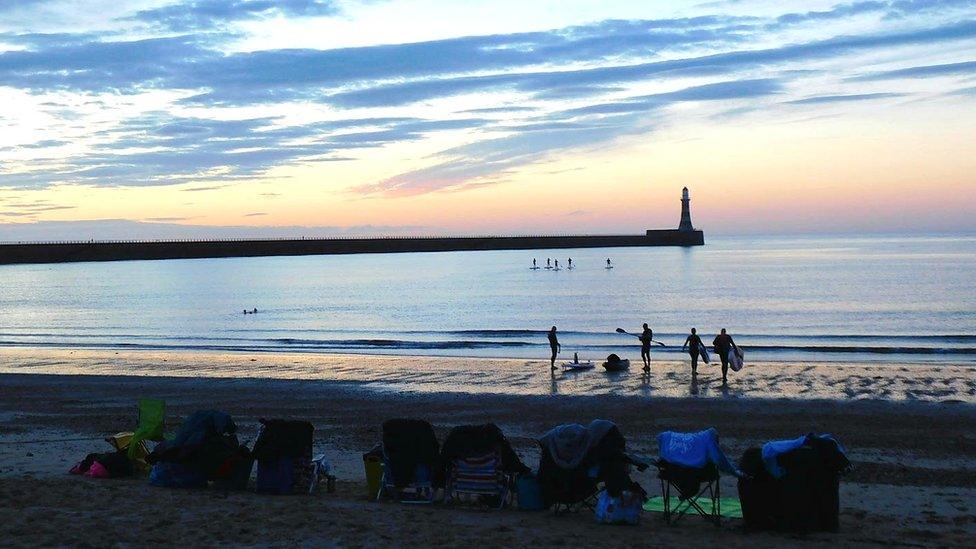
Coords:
625,509
169,474
529,493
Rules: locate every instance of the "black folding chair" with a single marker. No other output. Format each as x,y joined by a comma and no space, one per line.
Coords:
690,485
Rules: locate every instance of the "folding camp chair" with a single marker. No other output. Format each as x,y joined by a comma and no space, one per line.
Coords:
690,485
418,490
689,466
410,457
152,419
480,478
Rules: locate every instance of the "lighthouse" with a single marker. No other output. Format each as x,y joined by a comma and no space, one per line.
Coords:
685,224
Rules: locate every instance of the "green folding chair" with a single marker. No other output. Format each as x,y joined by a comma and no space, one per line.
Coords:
152,419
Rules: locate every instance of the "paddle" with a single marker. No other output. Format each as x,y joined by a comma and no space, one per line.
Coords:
622,331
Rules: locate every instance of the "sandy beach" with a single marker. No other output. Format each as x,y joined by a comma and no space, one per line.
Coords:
908,429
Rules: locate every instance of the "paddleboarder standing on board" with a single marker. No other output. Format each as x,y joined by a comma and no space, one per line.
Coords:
645,338
694,345
723,344
554,345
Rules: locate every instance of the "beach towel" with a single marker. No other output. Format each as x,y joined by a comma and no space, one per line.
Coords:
695,450
568,444
771,451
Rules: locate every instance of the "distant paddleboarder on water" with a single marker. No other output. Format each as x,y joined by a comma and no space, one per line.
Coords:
645,338
609,265
571,263
555,347
548,263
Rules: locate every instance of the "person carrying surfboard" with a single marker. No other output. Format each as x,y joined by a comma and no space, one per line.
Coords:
645,338
554,345
723,344
695,348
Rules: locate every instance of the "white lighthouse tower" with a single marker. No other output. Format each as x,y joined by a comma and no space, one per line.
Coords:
685,224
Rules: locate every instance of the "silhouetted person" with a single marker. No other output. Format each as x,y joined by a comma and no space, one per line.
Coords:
548,263
608,263
555,347
645,338
557,263
571,263
255,311
723,344
694,345
533,263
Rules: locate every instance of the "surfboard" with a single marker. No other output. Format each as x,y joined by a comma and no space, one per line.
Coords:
534,268
703,352
608,267
569,366
735,359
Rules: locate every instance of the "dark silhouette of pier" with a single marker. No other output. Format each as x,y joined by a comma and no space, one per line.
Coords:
66,252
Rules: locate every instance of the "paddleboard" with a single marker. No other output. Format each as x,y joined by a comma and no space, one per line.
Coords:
618,366
735,359
578,365
557,269
534,268
608,267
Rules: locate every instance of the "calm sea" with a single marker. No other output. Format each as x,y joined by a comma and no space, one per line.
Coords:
880,299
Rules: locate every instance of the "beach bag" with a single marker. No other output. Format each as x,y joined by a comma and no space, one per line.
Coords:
276,476
529,493
235,471
170,474
107,465
625,509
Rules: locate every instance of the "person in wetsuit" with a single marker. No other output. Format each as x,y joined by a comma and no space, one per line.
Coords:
645,338
694,345
723,344
554,345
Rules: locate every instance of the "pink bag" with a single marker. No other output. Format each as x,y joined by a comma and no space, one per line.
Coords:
97,470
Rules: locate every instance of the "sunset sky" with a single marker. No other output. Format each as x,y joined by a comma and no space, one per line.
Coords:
162,118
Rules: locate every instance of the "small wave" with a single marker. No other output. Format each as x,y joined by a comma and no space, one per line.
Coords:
399,344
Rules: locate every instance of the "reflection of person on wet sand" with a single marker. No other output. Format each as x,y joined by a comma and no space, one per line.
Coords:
555,347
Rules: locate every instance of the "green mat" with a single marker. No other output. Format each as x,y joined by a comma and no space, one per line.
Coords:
730,506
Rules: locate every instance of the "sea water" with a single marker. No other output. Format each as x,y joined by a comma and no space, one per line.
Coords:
875,299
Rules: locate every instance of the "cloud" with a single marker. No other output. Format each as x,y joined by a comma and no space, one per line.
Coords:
255,214
161,149
822,99
925,71
114,229
200,15
579,85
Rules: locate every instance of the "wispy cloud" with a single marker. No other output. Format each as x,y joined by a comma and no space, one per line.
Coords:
821,99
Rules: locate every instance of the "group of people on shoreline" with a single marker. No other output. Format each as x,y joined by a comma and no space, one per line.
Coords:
723,345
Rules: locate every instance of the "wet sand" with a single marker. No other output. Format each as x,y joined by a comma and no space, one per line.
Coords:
946,383
914,484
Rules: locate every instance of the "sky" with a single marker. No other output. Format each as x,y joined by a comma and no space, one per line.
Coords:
200,118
